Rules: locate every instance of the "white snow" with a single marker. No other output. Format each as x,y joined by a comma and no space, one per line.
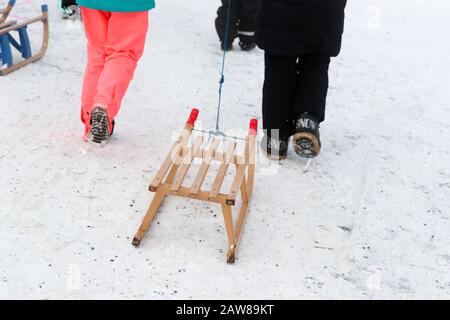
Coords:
370,219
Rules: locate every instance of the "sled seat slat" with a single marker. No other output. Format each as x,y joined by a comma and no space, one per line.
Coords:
204,167
175,155
217,184
179,178
219,156
240,172
201,195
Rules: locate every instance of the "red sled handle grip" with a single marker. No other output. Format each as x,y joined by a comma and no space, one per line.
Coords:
253,128
193,117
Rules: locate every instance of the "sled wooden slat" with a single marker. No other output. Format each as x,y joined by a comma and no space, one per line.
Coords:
7,24
180,161
244,190
219,156
217,184
175,157
186,164
201,195
165,167
235,187
250,158
204,167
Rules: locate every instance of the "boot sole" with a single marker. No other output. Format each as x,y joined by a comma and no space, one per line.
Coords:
99,145
100,140
306,145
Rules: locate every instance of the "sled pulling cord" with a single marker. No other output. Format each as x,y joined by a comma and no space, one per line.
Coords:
217,131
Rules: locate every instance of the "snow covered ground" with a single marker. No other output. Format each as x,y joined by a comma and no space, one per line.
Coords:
371,218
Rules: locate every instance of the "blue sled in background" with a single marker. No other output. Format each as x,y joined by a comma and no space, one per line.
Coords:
14,35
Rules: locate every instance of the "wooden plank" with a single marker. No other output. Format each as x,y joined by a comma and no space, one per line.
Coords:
219,156
177,149
240,172
201,195
244,191
165,167
228,219
187,163
223,170
204,167
240,222
7,24
251,164
149,216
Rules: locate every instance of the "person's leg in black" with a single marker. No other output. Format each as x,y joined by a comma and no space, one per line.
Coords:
221,23
312,89
308,109
278,94
246,28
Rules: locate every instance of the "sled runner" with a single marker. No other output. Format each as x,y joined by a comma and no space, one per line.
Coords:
8,29
170,178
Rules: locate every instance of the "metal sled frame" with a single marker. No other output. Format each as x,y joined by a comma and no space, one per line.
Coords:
23,45
169,179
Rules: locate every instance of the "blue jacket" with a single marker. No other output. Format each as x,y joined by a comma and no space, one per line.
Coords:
118,5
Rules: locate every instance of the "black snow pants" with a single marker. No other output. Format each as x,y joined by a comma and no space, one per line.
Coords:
242,19
294,85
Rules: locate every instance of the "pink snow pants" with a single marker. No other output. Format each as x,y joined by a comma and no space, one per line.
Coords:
116,42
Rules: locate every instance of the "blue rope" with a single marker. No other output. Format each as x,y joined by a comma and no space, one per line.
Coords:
222,74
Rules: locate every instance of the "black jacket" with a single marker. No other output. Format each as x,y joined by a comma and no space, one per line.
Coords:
299,27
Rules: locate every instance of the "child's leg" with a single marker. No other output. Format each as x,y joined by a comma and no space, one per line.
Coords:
221,21
311,93
95,26
125,45
278,93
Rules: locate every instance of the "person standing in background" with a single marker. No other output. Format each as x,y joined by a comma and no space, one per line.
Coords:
241,24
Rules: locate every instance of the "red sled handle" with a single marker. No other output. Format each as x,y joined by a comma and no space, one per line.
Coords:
192,117
253,128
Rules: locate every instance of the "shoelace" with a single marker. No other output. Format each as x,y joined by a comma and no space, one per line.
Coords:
97,124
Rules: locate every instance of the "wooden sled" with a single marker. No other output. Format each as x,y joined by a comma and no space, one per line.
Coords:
7,41
171,175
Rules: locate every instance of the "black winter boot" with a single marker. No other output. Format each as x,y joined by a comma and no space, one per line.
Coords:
306,137
275,149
